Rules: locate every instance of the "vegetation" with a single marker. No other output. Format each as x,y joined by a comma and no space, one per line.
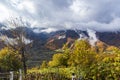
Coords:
46,76
44,65
20,42
85,61
9,60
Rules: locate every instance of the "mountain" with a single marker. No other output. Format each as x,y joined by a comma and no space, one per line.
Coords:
55,40
44,44
110,38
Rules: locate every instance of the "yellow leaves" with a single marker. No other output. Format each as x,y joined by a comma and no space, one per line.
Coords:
44,65
82,45
117,59
117,68
98,66
3,52
58,60
50,63
9,59
7,51
115,64
106,59
82,54
110,48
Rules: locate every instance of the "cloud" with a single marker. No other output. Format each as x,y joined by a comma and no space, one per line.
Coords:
47,30
4,12
100,15
14,41
92,37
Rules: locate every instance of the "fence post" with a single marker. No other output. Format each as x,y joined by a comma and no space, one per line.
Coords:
20,72
73,76
11,75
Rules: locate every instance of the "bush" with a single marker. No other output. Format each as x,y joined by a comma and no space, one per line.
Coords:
45,76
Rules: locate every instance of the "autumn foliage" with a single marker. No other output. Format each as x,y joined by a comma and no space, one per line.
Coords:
9,60
89,63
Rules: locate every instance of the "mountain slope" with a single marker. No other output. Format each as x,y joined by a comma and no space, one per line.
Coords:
110,38
57,39
44,44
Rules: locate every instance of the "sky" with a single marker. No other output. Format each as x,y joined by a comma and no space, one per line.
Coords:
99,15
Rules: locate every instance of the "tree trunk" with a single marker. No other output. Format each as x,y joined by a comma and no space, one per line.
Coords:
24,60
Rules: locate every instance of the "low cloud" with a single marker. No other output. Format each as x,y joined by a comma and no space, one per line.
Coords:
99,15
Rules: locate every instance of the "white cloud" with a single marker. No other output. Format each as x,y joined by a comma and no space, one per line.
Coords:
47,30
81,9
4,12
92,37
14,41
26,5
100,15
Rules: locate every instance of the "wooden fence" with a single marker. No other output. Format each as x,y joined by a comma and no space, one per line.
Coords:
11,75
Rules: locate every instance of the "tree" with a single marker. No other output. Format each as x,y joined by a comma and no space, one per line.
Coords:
58,60
43,65
61,59
81,54
19,40
9,59
107,67
88,64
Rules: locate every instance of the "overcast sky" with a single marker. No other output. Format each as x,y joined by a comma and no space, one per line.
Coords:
100,15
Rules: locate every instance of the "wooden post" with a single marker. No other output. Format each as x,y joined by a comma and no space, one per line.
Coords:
20,76
11,75
20,72
73,76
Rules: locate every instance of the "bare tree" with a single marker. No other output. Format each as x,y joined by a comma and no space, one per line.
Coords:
18,41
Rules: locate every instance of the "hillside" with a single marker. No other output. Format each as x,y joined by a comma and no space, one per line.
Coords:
44,44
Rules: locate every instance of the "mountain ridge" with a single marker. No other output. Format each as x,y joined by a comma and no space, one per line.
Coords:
58,38
44,45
